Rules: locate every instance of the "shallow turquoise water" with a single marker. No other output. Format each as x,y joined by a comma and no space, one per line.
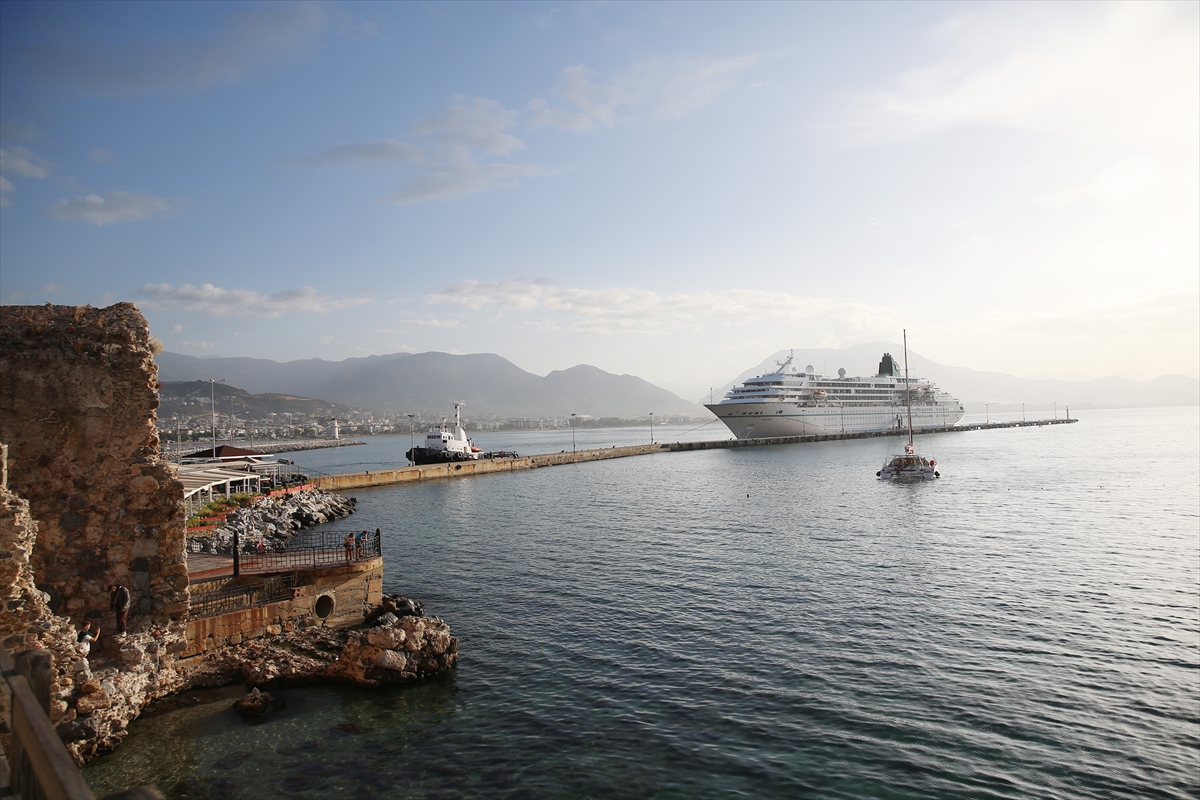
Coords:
768,622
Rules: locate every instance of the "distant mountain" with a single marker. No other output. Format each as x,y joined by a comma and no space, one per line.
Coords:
430,383
184,400
997,389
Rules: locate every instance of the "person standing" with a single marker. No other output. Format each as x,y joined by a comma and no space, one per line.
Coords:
118,601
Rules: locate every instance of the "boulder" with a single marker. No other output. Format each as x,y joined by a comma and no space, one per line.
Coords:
256,706
392,660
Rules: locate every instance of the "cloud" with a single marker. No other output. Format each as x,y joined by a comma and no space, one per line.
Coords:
214,301
1120,181
102,156
385,152
52,288
654,89
1124,71
198,345
452,182
627,311
114,207
448,159
474,123
247,41
428,321
177,329
21,162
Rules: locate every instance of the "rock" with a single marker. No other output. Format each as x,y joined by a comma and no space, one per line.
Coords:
390,659
257,705
90,686
76,730
386,618
90,703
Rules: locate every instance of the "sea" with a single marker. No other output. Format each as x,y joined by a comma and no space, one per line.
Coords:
766,622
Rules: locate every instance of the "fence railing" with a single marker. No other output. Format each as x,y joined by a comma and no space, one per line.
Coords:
243,596
315,549
39,766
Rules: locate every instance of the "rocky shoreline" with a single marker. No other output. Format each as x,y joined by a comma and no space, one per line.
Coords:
274,520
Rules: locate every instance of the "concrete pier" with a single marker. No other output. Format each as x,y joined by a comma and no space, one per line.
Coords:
463,469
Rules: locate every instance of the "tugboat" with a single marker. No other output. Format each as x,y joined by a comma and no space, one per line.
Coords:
443,445
910,465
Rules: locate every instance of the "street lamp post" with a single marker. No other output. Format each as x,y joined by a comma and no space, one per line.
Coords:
651,428
572,433
1022,412
986,417
212,396
411,440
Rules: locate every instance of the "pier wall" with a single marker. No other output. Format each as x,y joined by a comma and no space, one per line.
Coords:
352,590
464,469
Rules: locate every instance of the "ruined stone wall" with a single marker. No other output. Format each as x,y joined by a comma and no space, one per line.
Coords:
78,393
26,621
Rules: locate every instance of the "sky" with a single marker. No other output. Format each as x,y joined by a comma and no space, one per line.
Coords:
670,190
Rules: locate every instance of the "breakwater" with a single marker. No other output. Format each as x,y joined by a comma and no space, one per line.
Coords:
462,469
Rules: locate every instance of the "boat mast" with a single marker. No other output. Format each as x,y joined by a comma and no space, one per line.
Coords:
907,389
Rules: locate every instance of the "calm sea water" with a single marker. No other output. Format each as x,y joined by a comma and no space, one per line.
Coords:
764,622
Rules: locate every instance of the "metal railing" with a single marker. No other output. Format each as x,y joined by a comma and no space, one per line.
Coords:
39,765
241,597
314,549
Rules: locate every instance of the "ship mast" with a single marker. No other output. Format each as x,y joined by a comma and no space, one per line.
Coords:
907,390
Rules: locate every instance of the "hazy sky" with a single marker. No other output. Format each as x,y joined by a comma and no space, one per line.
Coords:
670,190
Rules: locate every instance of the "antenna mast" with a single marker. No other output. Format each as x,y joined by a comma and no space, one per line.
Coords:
907,389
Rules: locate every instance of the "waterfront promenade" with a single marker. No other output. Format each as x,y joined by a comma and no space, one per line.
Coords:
463,469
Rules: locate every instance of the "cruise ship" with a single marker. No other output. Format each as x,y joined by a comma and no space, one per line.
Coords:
791,402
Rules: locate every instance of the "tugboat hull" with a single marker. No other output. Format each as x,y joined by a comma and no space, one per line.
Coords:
426,455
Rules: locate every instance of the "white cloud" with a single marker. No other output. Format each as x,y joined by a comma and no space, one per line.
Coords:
198,345
247,41
475,123
428,321
1125,71
627,311
21,162
654,89
448,158
177,329
113,208
102,156
214,301
1120,181
452,182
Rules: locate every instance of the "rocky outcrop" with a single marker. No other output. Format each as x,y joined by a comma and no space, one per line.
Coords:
411,648
276,520
257,705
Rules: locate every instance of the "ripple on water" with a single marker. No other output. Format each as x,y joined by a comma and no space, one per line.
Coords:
1028,626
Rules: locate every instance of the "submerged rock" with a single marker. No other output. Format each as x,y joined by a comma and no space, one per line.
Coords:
257,705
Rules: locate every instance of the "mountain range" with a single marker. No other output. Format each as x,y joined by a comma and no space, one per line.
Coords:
430,383
997,389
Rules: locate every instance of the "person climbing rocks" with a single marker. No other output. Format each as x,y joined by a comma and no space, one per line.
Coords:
118,601
86,638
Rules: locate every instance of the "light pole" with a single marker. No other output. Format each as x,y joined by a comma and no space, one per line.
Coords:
651,428
1056,410
212,396
411,441
572,433
1022,412
986,417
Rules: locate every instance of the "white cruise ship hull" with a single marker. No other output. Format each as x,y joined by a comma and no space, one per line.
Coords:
765,420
